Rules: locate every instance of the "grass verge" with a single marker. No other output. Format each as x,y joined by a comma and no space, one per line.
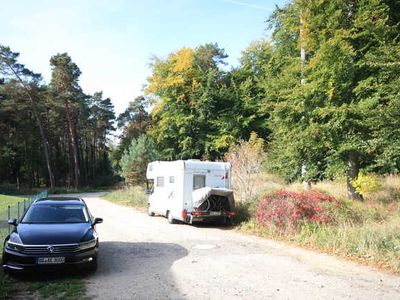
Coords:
59,287
6,200
367,232
130,196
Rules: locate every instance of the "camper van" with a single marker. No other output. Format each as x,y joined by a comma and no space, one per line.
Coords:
190,191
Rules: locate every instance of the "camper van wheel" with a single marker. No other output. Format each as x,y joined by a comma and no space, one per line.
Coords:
171,220
149,212
224,222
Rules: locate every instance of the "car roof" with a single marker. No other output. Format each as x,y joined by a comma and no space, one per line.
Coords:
60,200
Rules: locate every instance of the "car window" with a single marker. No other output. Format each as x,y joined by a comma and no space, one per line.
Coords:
56,213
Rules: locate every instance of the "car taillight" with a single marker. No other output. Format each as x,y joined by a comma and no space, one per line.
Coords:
184,214
232,213
196,213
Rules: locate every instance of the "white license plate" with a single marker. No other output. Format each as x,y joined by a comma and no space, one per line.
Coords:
50,260
215,213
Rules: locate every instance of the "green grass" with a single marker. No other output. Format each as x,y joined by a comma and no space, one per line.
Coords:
6,201
131,196
367,231
63,287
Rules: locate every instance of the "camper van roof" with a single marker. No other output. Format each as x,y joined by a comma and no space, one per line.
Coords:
192,164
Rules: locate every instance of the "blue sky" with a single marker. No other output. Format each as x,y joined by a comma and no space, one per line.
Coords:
112,41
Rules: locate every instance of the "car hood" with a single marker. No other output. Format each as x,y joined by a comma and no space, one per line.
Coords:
45,234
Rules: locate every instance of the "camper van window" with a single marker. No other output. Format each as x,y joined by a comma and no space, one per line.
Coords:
171,179
199,181
160,181
149,186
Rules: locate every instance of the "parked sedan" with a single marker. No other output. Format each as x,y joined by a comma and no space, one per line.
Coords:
54,232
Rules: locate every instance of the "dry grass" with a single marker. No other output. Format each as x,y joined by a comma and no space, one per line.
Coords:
263,183
130,196
367,231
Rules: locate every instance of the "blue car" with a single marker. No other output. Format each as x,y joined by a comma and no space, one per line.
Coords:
54,233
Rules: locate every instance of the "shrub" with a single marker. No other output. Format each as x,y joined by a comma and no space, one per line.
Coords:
366,184
287,210
246,159
134,161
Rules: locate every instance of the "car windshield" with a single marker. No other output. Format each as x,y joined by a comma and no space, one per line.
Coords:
56,213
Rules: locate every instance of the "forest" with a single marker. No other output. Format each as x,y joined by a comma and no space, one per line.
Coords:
322,92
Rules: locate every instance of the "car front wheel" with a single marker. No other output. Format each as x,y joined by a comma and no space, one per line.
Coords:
149,212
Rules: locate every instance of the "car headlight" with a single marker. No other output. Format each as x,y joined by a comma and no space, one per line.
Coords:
14,243
87,245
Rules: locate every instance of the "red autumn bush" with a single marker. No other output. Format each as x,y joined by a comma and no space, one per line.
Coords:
285,209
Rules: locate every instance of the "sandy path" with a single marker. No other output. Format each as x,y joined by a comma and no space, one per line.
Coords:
144,257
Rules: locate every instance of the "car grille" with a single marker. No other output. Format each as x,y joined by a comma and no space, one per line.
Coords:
49,249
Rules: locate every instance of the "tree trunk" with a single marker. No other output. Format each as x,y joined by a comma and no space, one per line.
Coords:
40,124
352,173
306,182
74,145
70,159
94,153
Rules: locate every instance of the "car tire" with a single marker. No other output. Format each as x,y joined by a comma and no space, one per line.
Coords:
149,212
224,222
8,271
171,220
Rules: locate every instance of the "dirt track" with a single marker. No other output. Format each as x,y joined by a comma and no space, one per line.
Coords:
144,257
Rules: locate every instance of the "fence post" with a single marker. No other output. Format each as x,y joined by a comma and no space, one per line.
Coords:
24,205
18,212
8,218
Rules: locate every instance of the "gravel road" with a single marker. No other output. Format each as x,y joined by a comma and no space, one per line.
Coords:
144,257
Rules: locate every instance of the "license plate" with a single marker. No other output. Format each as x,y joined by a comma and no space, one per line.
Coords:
50,260
215,213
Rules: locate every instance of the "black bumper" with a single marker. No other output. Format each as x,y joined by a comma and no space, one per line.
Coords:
207,218
20,262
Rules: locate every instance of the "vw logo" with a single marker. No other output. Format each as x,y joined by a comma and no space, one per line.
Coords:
50,249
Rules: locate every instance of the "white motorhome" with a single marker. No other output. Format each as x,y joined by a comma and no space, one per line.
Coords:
190,190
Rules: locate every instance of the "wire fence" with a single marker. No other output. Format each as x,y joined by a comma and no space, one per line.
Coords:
16,211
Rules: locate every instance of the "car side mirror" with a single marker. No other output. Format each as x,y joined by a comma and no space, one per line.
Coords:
12,222
97,221
148,191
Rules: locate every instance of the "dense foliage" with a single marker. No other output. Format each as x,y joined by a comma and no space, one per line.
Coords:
330,107
323,93
51,134
135,159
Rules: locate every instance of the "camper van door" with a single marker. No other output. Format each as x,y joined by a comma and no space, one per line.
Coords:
159,198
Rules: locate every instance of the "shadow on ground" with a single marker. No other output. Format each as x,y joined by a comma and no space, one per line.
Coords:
212,225
125,271
136,270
